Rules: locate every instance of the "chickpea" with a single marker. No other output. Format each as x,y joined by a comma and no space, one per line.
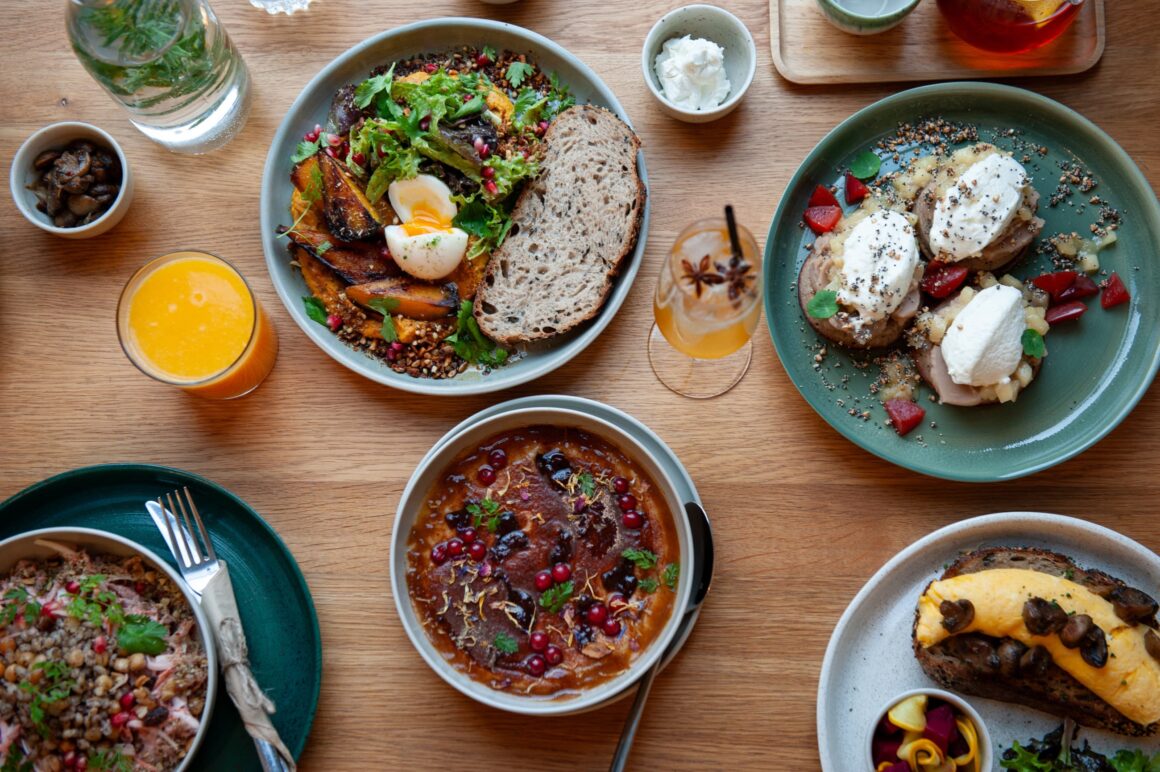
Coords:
137,662
196,706
7,645
67,745
12,673
121,665
168,690
93,734
75,658
24,658
104,682
140,694
35,676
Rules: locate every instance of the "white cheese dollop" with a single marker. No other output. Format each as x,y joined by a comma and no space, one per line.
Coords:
879,259
691,72
984,343
979,206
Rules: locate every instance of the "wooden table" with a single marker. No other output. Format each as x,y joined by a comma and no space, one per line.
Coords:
802,517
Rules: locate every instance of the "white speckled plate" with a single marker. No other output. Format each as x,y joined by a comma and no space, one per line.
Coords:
869,657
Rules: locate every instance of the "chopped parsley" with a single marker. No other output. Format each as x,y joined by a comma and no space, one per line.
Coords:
518,72
587,484
641,558
386,307
109,761
141,635
485,512
505,644
649,585
52,688
19,604
671,574
554,598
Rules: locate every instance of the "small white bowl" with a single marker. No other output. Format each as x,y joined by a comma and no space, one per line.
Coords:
986,750
714,24
431,471
58,135
24,546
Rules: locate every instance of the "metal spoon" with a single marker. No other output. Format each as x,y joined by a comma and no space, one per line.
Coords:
703,561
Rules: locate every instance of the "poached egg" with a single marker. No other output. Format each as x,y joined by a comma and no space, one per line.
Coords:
984,344
978,207
425,245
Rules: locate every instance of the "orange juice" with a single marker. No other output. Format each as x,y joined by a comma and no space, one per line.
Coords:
189,319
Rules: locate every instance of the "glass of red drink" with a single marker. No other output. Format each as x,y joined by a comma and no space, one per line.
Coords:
1009,26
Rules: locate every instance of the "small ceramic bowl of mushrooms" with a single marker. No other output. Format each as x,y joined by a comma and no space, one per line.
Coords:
72,180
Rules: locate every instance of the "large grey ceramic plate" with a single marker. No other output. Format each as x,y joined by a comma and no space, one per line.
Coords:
1096,370
869,658
311,107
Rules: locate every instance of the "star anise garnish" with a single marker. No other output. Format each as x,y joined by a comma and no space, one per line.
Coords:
702,275
739,275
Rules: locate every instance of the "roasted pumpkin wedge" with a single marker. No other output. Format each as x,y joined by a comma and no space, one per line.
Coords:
348,212
325,285
467,277
356,262
302,175
412,299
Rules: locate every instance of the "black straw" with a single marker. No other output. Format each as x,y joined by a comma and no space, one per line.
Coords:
734,239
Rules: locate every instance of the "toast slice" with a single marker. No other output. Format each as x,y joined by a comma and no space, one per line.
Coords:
572,228
968,663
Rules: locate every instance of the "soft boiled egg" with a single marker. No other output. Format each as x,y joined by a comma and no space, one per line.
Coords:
425,245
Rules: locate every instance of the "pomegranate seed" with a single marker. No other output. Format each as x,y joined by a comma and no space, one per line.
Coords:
72,588
455,547
127,700
359,158
537,665
334,321
490,187
543,580
478,143
385,252
627,501
468,535
334,140
561,572
1065,312
396,347
633,520
1115,292
317,132
438,556
538,641
482,60
309,137
82,763
47,609
596,614
431,67
121,718
611,627
100,644
70,760
485,475
330,152
554,655
139,587
425,123
620,485
487,172
617,603
543,127
477,551
484,152
497,458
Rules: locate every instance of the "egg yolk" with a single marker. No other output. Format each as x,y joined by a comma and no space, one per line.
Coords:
425,219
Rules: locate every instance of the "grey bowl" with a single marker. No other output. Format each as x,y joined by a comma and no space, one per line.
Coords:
311,107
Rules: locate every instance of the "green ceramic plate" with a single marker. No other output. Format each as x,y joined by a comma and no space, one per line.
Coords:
1097,369
277,610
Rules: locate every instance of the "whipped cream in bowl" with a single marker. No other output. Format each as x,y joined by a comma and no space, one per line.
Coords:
691,72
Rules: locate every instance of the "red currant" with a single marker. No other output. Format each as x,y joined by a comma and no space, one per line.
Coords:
477,550
611,627
537,665
561,572
554,655
633,520
543,580
620,485
455,547
597,614
538,641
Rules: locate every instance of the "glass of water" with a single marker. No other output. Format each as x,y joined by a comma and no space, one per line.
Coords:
169,64
280,6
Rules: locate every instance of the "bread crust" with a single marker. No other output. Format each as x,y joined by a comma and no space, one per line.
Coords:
967,663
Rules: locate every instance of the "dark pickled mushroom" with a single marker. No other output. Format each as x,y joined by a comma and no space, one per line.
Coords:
1132,605
460,183
73,163
1043,617
82,204
1152,644
562,549
1076,631
522,609
1095,648
1035,661
956,615
45,160
553,461
507,523
981,652
458,520
510,542
1010,653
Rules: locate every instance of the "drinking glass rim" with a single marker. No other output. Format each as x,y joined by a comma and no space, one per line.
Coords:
1063,7
151,266
705,223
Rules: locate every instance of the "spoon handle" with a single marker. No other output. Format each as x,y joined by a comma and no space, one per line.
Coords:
632,722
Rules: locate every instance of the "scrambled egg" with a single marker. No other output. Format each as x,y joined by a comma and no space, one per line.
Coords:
1129,682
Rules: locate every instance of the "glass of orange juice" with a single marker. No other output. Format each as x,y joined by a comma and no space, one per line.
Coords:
707,304
189,319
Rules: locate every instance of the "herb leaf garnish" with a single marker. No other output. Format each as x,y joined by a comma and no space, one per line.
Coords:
1033,345
471,344
505,644
386,307
866,165
518,72
823,305
486,513
554,598
649,585
315,309
671,574
142,635
587,484
643,559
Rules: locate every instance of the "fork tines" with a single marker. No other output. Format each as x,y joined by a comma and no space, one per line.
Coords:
192,551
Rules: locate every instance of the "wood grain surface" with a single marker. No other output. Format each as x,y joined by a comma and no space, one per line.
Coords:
921,47
802,517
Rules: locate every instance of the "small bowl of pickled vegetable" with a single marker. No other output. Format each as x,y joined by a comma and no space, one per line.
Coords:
928,730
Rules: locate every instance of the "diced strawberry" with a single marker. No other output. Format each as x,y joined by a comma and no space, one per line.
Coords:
942,279
822,197
904,415
823,219
1055,283
940,727
1082,287
1065,312
1115,292
856,190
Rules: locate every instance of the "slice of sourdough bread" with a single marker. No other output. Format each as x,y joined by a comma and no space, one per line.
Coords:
572,228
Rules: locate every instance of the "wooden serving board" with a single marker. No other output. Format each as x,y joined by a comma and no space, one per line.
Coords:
808,49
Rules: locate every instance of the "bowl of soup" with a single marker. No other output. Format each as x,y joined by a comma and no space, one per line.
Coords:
540,560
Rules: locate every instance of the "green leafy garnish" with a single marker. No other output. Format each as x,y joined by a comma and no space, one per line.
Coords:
505,644
51,688
386,307
518,72
488,223
587,484
649,585
315,309
486,513
489,52
14,607
866,165
823,305
14,763
671,574
470,107
643,559
1033,344
311,196
1135,761
554,598
109,761
305,150
471,344
370,88
142,635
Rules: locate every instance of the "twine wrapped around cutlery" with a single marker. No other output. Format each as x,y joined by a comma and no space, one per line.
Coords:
254,706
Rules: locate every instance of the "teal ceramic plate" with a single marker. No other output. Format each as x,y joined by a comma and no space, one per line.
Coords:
277,610
1096,370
